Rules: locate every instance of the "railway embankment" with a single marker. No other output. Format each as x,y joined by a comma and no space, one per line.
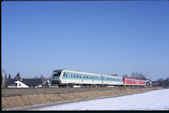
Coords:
13,98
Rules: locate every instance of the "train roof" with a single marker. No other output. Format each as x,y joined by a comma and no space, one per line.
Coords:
86,73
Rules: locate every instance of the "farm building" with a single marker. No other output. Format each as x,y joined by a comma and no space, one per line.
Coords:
24,83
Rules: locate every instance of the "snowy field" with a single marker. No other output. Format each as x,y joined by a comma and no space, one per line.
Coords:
153,100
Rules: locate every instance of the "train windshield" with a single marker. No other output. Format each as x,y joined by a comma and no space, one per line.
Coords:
56,74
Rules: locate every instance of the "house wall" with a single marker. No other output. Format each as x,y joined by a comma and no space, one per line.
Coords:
21,85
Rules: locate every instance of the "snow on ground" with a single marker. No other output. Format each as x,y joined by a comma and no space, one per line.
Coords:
153,100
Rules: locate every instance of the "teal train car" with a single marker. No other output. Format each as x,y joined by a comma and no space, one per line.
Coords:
71,78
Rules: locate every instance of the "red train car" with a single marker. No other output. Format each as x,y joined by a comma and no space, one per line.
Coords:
133,82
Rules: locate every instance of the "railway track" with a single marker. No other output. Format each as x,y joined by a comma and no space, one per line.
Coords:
6,92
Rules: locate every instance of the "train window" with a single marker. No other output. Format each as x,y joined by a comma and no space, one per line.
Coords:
80,76
65,75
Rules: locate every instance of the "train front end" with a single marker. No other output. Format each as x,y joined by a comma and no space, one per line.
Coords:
56,77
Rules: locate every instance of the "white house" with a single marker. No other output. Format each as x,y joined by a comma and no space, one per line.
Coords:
24,83
19,84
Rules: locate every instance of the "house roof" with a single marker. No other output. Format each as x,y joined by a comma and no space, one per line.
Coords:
32,82
29,82
10,82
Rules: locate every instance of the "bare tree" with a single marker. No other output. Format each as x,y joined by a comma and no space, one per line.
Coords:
42,77
125,75
138,75
3,78
114,75
36,77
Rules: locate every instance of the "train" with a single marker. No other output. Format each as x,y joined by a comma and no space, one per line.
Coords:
70,78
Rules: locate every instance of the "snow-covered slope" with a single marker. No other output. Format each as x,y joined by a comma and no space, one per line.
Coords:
153,100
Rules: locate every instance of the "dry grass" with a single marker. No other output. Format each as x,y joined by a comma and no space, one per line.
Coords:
31,99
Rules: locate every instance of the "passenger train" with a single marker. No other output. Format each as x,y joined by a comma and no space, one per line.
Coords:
69,78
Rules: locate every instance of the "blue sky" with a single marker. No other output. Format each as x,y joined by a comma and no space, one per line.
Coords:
99,37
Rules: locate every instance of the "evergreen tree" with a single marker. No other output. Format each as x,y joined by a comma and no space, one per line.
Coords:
9,77
17,77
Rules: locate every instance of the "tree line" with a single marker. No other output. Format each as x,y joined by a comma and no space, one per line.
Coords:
162,82
135,75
